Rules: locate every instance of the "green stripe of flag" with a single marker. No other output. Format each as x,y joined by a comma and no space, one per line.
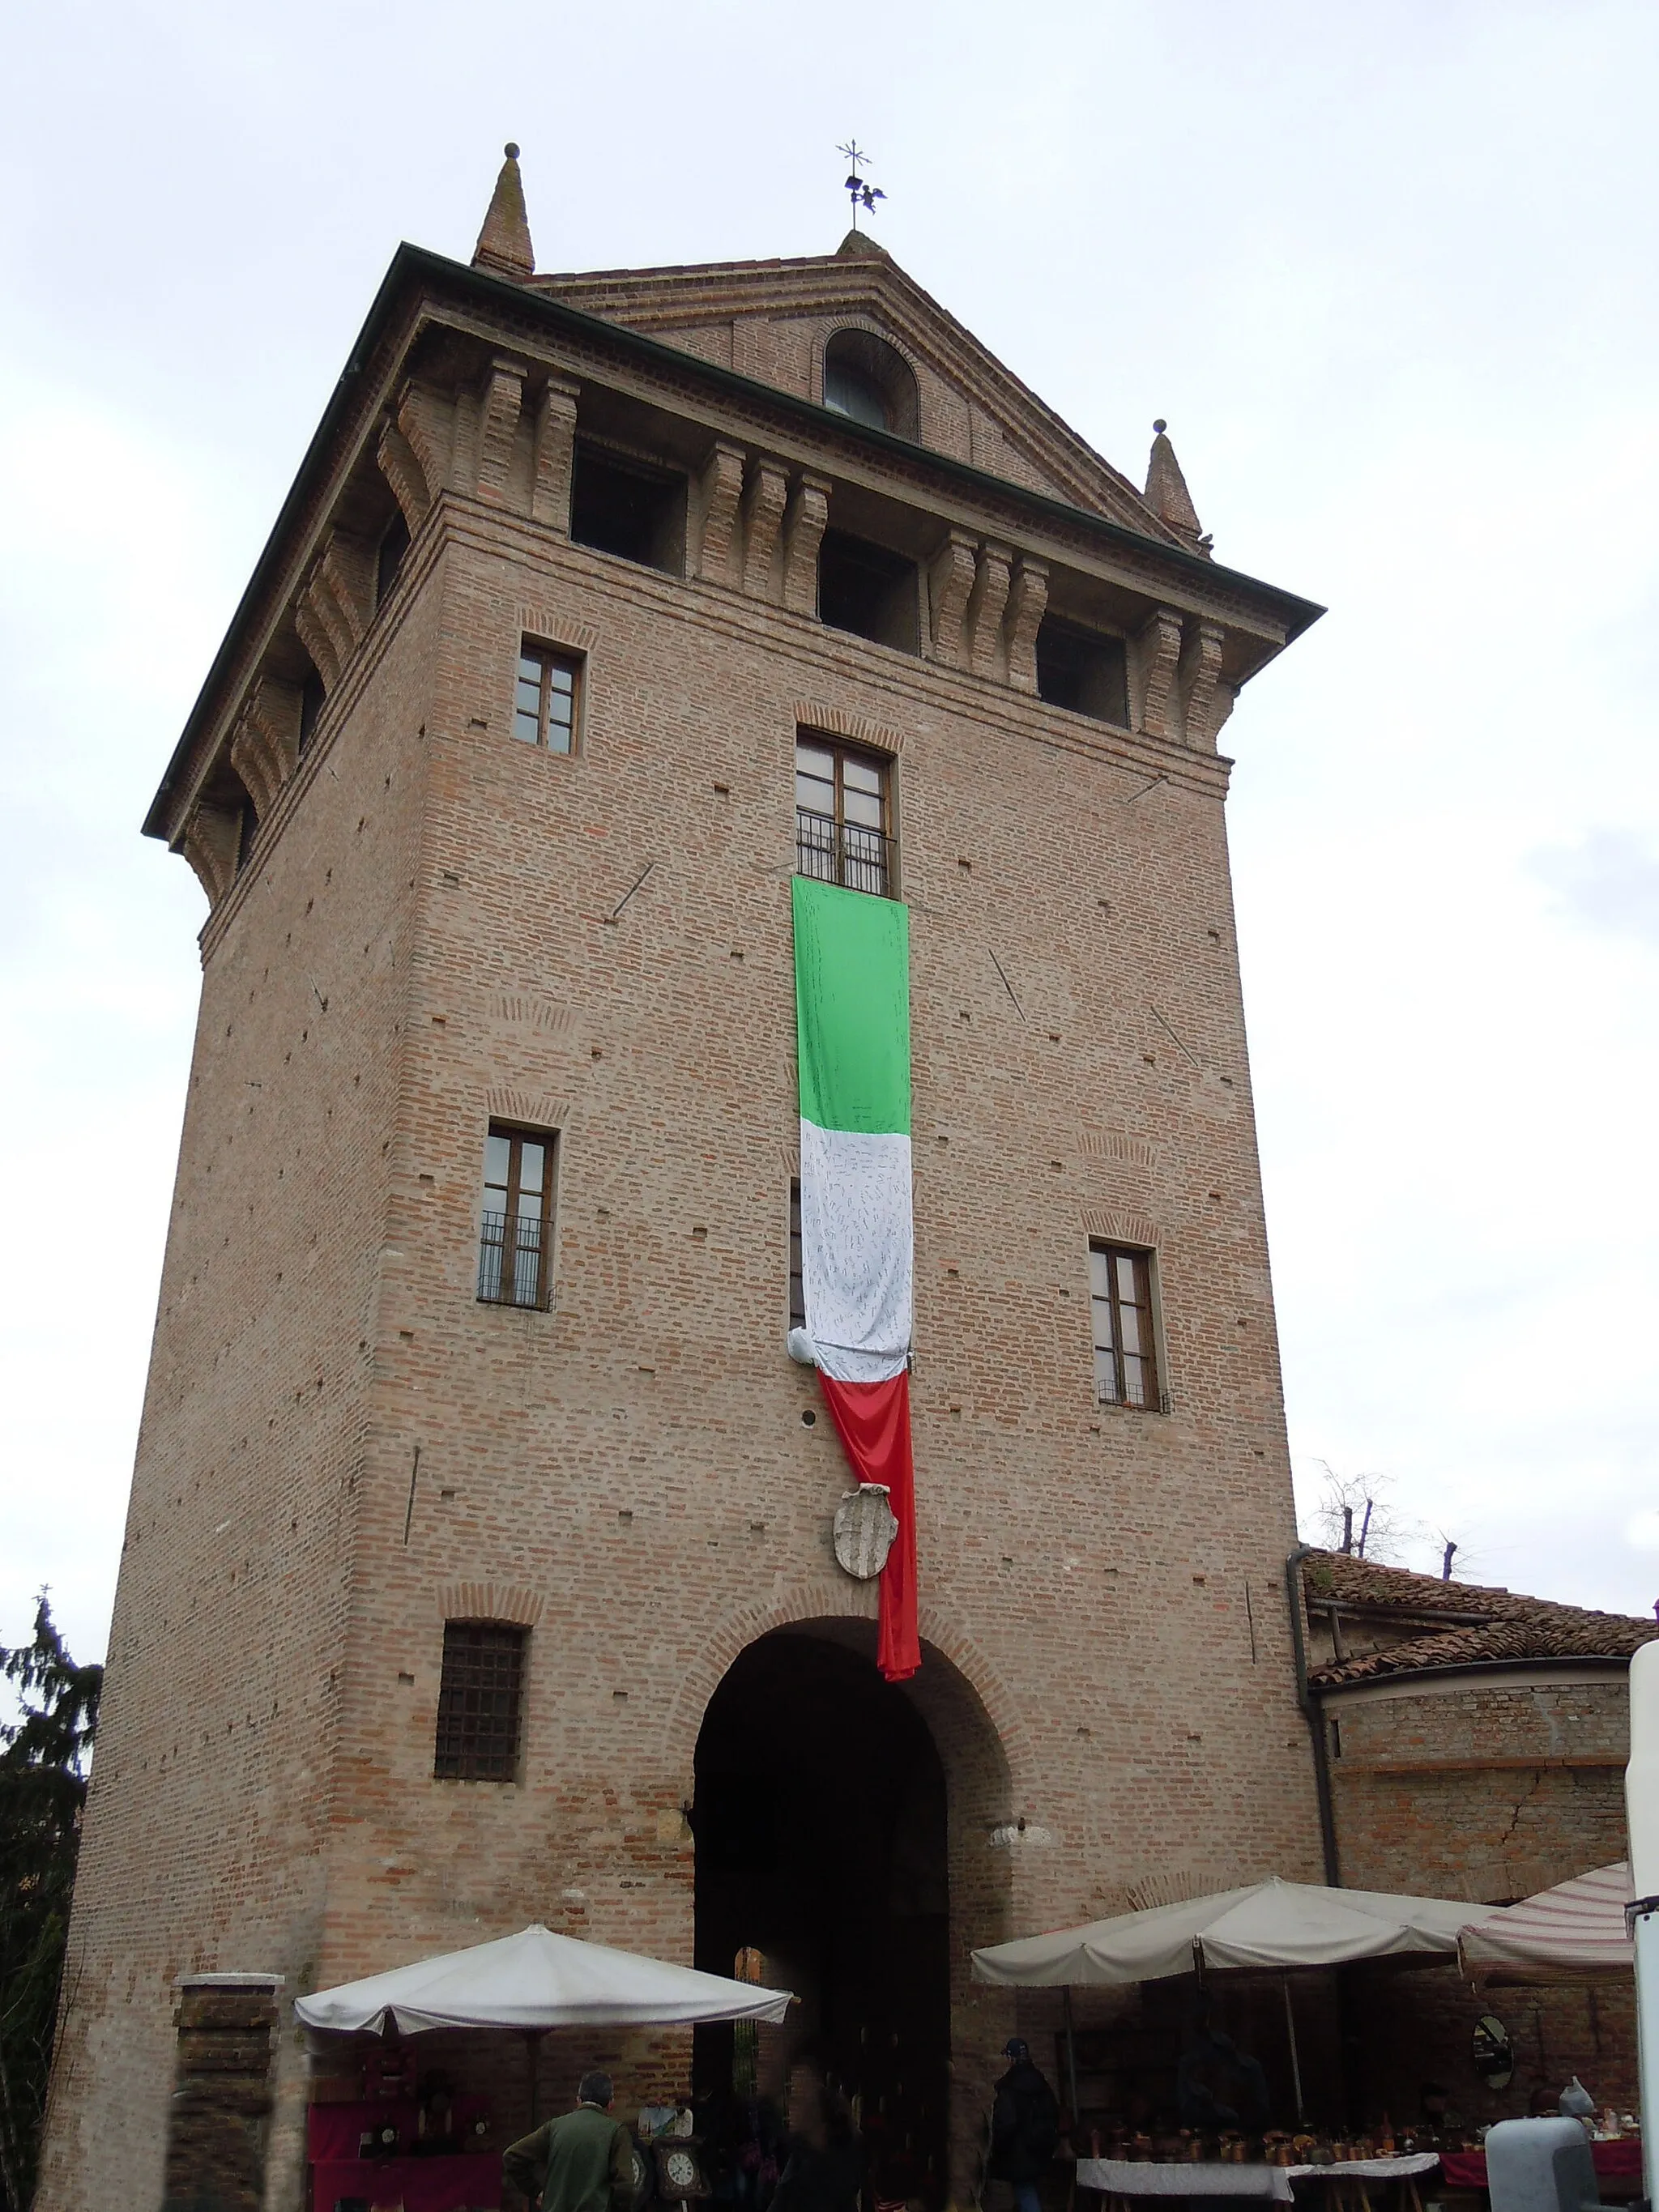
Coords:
852,1009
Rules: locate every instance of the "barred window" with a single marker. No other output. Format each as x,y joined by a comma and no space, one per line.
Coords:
479,1698
1126,1353
546,696
515,1233
841,816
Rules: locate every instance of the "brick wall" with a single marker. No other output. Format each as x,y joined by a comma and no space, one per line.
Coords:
1488,1786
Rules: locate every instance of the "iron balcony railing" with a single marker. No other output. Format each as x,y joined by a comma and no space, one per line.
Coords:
844,852
510,1260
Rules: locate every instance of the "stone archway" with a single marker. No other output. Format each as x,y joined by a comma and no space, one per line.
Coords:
843,1828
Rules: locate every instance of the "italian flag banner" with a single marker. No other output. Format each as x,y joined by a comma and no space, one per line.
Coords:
852,1027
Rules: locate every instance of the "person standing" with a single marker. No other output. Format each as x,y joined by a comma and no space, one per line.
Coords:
583,2161
1024,2127
823,2171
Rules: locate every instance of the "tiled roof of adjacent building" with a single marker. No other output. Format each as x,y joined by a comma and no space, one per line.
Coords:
1433,1623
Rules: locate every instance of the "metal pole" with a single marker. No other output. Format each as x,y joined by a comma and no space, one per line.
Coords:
532,2050
1641,1815
1071,2053
1290,2030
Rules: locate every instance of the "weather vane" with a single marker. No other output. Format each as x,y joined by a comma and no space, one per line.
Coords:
861,195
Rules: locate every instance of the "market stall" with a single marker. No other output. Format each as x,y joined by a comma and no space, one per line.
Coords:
1276,1926
433,2151
1575,1932
1273,1925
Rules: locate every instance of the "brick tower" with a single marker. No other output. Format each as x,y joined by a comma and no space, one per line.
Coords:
479,1565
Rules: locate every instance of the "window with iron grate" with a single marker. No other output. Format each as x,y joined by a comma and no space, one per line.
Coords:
1125,1334
843,816
515,1230
480,1699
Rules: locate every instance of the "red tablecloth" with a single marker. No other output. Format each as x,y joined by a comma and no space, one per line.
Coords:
334,2131
419,2184
1614,2161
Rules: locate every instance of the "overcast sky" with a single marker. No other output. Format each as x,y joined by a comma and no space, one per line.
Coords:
1389,270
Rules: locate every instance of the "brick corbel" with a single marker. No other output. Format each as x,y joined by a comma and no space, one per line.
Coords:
765,492
426,419
499,409
341,593
400,466
714,521
316,640
266,743
1028,598
554,455
1226,698
985,608
803,534
260,770
210,842
949,585
1199,673
1156,657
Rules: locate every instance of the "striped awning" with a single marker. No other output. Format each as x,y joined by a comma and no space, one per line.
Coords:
1575,1931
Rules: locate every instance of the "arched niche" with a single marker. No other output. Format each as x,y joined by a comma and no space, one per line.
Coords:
869,381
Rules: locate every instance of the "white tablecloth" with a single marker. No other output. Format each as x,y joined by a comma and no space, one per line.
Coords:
1371,2169
1126,2177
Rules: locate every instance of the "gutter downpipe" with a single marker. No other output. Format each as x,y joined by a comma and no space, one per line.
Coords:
1314,1713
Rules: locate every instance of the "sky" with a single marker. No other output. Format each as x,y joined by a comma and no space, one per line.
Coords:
1387,271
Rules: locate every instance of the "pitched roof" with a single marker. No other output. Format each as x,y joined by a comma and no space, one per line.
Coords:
862,281
1438,1624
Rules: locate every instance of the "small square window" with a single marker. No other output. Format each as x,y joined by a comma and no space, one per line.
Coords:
515,1230
545,695
1083,670
479,1697
1125,1334
312,700
870,590
625,506
388,557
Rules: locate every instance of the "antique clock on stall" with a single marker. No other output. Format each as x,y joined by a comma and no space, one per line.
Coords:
679,2175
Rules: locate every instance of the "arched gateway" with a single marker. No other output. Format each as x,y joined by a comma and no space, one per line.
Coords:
843,1828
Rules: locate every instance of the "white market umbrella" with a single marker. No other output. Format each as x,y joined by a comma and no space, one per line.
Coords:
534,1981
1573,1932
1272,1925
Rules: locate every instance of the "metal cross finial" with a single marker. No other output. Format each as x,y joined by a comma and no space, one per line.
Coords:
862,195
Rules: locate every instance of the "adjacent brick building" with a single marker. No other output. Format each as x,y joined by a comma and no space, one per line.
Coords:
478,1566
1473,1745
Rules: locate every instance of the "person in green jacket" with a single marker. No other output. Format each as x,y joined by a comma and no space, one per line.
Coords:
581,2162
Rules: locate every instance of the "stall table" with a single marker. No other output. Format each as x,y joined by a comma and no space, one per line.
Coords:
1120,2178
1620,2161
455,2181
418,2185
1129,2177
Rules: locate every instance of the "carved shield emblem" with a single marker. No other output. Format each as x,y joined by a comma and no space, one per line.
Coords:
865,1529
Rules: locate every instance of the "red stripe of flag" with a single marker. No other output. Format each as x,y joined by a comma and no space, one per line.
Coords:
872,1420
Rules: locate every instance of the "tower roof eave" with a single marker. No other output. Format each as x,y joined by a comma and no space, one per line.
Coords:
414,269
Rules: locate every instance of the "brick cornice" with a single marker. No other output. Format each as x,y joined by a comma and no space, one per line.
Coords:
906,678
424,292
